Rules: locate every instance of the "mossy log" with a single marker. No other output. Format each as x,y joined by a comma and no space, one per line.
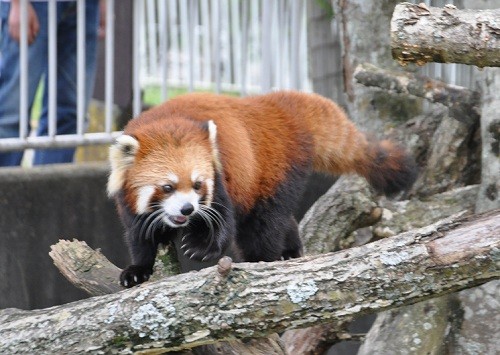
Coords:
252,300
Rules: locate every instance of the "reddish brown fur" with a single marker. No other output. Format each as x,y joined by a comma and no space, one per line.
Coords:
180,145
259,138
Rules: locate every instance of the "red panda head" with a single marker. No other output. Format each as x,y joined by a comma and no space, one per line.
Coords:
167,167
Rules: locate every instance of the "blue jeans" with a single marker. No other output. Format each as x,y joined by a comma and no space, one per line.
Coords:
38,69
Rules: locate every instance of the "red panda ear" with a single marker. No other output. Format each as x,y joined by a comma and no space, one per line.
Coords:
212,137
121,157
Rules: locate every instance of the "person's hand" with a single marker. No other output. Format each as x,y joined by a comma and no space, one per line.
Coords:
14,22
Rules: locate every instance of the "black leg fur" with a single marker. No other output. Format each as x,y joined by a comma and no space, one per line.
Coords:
293,244
269,232
142,243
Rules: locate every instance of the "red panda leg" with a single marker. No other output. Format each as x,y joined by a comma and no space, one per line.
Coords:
269,239
293,244
143,258
269,232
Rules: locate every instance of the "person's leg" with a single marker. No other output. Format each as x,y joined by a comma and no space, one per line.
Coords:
67,77
10,75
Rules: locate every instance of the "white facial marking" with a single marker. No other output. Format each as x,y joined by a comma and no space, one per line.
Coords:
143,198
172,178
174,203
195,176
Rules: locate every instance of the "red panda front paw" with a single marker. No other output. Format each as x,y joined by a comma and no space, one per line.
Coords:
134,275
200,250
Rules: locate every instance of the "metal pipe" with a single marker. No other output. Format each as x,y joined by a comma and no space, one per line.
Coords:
217,45
23,64
52,73
244,46
136,105
266,46
163,17
80,65
61,141
109,65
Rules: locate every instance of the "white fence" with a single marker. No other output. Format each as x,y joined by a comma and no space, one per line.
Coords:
246,46
230,45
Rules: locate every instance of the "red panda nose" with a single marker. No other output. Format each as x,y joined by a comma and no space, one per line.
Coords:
187,209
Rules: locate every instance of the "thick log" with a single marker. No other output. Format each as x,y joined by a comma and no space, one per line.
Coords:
394,331
348,205
92,272
421,34
255,299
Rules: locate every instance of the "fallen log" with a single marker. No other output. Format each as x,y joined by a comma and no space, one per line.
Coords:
421,34
251,300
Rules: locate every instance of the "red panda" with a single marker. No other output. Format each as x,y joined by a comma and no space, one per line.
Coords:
221,170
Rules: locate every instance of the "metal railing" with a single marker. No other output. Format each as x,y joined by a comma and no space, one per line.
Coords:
246,46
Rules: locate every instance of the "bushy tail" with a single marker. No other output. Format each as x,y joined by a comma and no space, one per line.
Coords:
388,168
340,148
384,164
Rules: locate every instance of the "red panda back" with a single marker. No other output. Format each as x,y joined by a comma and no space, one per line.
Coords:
261,138
257,141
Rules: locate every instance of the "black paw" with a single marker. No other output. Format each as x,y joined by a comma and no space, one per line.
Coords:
292,254
134,275
200,250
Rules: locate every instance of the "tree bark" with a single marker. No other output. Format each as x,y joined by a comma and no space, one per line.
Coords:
394,331
489,194
348,205
251,300
463,103
421,34
92,272
452,155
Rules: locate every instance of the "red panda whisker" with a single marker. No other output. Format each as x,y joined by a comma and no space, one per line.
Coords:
152,226
146,222
219,204
214,214
216,217
211,237
206,218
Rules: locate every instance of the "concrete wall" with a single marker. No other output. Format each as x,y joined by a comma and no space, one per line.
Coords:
38,207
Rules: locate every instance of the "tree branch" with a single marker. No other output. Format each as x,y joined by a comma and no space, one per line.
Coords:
256,299
421,34
92,272
463,103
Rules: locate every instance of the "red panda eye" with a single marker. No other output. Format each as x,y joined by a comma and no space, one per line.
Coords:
197,185
167,188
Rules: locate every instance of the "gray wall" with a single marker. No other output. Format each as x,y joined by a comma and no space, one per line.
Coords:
38,207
